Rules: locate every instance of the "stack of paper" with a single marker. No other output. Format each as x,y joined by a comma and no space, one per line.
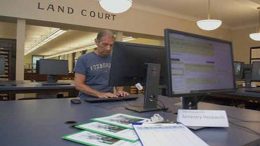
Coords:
110,130
115,130
89,138
122,130
121,120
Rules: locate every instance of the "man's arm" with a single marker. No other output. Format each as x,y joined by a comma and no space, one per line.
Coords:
81,86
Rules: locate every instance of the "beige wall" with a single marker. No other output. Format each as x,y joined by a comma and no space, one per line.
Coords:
134,20
148,41
242,44
7,30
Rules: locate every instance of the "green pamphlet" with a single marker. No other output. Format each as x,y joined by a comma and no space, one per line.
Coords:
110,130
94,139
121,120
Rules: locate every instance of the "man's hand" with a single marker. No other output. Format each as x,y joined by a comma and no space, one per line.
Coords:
106,95
121,93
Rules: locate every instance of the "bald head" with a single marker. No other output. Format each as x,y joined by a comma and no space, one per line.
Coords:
104,42
103,33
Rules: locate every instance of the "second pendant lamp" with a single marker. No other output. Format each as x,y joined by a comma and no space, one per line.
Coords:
209,24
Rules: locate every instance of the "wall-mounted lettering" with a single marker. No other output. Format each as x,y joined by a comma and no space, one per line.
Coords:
54,8
99,15
48,7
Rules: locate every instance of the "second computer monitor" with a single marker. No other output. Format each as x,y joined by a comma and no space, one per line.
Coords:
255,71
2,65
128,63
52,68
239,69
198,64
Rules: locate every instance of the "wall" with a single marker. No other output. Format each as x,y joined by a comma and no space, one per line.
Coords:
242,43
148,41
7,30
89,13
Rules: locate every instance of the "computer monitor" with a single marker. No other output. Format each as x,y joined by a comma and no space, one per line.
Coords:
238,69
197,65
52,68
255,71
2,65
138,63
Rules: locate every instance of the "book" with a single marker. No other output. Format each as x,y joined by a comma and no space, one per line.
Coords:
95,139
110,130
121,120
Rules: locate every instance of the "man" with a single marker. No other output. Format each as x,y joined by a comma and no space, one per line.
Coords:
92,70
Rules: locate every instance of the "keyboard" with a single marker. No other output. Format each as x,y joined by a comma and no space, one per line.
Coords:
256,90
54,84
7,84
98,100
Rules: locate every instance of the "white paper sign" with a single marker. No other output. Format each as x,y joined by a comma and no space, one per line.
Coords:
203,118
167,135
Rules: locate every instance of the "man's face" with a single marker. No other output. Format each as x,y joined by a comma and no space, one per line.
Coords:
104,45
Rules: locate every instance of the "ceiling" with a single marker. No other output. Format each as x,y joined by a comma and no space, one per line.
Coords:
235,14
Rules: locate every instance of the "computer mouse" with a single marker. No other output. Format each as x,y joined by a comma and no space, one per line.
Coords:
75,101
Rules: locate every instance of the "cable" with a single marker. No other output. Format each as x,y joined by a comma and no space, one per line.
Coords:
246,128
162,105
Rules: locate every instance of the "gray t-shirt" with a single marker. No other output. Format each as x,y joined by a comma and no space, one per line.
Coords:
96,69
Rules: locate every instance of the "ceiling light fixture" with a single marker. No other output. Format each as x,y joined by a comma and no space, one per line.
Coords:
115,6
209,24
256,36
45,40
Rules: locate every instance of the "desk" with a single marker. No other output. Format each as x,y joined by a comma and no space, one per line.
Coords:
35,87
42,122
250,100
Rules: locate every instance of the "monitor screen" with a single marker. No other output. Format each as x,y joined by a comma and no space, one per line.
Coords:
128,63
238,69
255,71
2,65
52,67
198,64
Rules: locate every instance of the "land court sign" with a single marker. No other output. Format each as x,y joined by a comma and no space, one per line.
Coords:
49,7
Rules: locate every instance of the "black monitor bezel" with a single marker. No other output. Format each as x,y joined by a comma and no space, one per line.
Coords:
39,69
252,70
120,45
167,33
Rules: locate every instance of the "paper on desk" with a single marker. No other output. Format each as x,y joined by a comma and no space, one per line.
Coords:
110,130
167,135
122,120
88,138
203,118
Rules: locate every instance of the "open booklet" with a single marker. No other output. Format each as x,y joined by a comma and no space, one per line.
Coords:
121,120
89,138
110,130
167,135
